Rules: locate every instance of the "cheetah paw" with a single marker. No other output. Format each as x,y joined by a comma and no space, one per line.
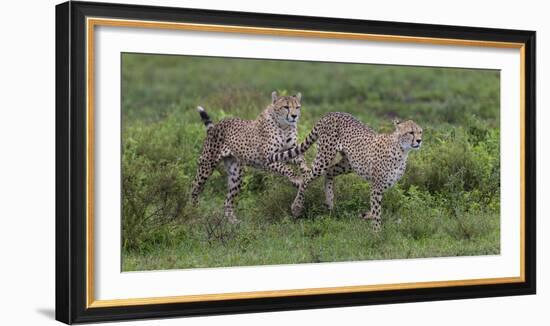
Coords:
297,182
233,220
296,209
366,216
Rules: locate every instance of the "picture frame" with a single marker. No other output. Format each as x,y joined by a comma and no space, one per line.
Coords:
76,27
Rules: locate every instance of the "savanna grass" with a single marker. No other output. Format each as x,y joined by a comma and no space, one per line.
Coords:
447,203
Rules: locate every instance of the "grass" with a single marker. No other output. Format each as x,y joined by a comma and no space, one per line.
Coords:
447,203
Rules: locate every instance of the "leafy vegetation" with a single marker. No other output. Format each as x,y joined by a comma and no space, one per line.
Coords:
447,203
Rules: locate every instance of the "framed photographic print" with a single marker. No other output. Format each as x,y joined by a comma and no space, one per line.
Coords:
213,162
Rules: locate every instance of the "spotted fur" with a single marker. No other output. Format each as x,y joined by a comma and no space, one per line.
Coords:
240,143
378,158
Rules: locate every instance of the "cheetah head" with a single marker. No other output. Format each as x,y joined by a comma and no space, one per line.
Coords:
409,133
286,109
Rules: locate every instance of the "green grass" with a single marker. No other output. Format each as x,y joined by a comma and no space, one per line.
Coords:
447,203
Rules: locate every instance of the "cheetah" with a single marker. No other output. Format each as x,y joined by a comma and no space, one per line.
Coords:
239,143
379,158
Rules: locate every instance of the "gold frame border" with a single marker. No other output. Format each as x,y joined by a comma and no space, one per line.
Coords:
92,22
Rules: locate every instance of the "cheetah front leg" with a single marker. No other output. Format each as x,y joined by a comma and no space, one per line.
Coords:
234,182
300,183
302,164
285,170
342,167
375,211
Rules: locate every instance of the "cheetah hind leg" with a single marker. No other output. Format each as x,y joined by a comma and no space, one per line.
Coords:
325,155
204,171
342,167
297,207
234,182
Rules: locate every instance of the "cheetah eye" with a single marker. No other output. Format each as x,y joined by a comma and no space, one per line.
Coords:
412,132
298,107
286,107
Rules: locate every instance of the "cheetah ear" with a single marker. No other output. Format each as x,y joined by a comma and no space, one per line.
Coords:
396,121
298,96
273,97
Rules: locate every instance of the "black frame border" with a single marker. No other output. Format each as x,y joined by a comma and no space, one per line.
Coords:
71,162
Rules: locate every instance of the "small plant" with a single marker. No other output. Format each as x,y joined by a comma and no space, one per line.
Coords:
218,230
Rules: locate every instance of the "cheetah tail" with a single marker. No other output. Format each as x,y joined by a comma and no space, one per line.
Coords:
297,150
205,118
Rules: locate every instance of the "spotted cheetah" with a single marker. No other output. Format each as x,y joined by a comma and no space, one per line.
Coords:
242,143
378,158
